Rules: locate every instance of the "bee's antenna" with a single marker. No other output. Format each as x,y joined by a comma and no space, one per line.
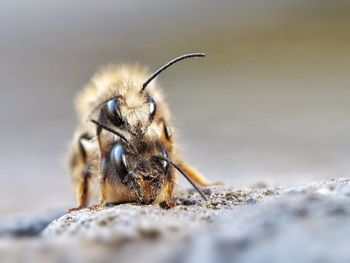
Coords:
110,130
155,74
185,175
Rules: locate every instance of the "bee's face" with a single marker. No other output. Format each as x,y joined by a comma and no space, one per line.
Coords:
131,112
142,172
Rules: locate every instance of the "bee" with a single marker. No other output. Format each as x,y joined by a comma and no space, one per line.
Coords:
125,141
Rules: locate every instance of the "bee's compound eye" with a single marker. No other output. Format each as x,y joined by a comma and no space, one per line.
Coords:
113,112
152,107
118,158
167,132
164,153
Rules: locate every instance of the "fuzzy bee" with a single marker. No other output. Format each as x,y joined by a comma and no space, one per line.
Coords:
124,141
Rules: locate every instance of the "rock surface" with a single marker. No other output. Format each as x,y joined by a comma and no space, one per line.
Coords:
28,226
132,221
309,223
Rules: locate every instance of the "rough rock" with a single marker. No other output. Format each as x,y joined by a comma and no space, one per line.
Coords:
132,221
309,223
30,225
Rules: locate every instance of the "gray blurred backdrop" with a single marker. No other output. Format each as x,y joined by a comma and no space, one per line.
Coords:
270,103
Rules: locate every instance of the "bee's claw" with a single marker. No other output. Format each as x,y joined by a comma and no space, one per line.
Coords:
75,209
96,208
167,204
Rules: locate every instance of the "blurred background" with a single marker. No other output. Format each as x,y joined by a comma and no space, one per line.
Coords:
270,103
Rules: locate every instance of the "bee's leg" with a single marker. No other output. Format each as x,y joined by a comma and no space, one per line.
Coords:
104,191
104,188
169,190
82,187
167,140
194,175
103,199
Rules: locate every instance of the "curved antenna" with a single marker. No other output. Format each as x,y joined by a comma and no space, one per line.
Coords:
155,74
185,175
110,130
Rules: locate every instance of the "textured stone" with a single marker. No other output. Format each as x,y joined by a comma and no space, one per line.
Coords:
308,223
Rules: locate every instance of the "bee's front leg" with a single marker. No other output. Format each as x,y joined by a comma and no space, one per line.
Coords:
104,193
83,176
104,187
169,192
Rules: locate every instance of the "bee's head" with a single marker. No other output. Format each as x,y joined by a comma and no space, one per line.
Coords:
130,111
138,168
134,107
142,165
